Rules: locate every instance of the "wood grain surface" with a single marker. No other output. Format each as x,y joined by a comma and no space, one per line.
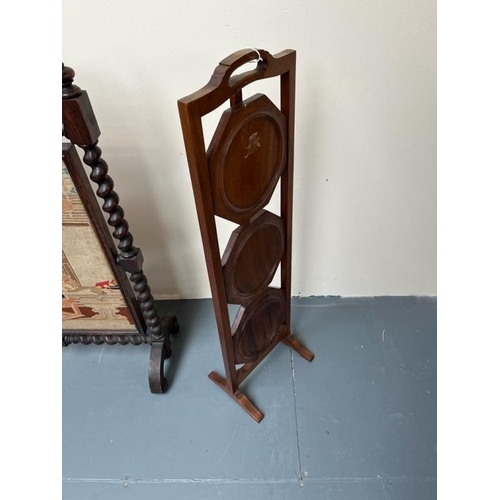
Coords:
246,158
252,257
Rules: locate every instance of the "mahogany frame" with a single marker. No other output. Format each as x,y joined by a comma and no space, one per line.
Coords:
80,127
222,87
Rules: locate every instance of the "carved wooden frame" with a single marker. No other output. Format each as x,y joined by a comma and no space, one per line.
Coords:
205,179
79,177
81,128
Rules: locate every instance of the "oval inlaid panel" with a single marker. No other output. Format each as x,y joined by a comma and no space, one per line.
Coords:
247,156
252,256
251,160
256,326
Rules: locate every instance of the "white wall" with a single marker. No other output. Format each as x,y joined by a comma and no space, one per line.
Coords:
365,185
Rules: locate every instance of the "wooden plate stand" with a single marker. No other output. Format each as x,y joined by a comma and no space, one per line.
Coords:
251,150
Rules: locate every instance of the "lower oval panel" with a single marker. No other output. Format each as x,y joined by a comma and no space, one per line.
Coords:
257,325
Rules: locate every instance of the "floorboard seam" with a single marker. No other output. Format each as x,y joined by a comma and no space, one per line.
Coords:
371,479
179,481
385,491
299,453
249,480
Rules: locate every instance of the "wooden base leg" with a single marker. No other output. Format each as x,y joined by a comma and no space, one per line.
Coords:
295,344
238,396
160,351
157,381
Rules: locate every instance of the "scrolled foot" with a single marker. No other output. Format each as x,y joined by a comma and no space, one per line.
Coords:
157,381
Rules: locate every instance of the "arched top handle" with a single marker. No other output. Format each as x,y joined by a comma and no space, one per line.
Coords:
231,63
222,84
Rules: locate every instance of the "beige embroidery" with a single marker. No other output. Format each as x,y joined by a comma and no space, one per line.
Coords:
253,144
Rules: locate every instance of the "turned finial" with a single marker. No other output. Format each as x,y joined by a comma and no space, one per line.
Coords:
68,89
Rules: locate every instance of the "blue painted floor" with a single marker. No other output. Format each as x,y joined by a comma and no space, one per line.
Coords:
359,422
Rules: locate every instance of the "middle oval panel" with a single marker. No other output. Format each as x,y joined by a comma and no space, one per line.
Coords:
252,256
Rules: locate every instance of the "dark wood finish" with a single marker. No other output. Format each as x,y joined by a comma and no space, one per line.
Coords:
245,370
110,338
159,352
130,257
238,396
122,337
256,325
246,158
251,150
81,128
252,257
294,344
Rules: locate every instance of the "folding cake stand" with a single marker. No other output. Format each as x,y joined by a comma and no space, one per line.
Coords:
251,150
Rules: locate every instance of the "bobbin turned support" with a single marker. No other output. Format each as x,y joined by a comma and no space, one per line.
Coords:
81,128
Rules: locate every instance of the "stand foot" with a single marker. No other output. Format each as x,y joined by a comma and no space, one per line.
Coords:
157,381
160,351
296,345
238,396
